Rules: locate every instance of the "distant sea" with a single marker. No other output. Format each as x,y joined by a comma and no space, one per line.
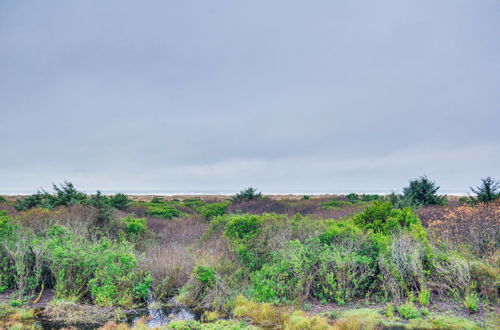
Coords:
229,193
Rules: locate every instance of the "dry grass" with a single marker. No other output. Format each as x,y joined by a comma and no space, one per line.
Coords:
471,228
73,313
169,259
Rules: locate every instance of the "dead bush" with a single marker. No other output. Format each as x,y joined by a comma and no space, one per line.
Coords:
471,228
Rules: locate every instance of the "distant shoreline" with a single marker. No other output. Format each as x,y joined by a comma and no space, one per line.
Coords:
222,196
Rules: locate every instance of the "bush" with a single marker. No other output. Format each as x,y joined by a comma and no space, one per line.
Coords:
470,228
471,302
334,204
134,227
210,210
424,297
422,192
64,195
119,201
205,275
247,193
103,270
408,311
161,210
242,227
381,217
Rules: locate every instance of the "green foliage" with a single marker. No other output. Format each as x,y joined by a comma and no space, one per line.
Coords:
205,275
334,204
471,302
488,191
355,198
443,322
65,194
105,268
247,193
210,210
284,279
306,197
242,227
162,210
422,192
2,199
157,200
220,324
104,209
119,201
408,311
381,217
424,297
135,227
389,310
333,273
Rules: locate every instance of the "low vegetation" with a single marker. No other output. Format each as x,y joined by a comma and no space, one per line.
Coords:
305,263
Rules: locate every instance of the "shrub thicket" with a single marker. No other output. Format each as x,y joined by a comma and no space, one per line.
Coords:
102,270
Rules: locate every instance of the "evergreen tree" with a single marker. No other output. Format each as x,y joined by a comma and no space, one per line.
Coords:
488,191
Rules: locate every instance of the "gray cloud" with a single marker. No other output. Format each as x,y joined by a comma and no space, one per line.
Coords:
213,96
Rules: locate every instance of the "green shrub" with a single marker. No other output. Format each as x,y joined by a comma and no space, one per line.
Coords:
471,302
334,204
161,210
247,193
352,197
381,217
157,200
210,210
286,277
389,310
408,311
424,297
205,275
65,194
134,227
242,227
106,269
119,201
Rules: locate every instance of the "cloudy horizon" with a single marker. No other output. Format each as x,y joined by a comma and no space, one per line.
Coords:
285,96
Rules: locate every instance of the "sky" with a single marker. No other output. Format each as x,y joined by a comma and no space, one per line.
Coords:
214,96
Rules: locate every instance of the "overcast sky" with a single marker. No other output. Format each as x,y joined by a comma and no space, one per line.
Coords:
213,96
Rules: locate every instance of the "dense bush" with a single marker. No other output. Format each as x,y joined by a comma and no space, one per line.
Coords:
119,201
422,192
209,210
473,229
247,193
381,217
162,210
64,195
381,252
103,270
135,227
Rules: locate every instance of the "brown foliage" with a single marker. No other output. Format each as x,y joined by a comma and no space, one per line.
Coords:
475,227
